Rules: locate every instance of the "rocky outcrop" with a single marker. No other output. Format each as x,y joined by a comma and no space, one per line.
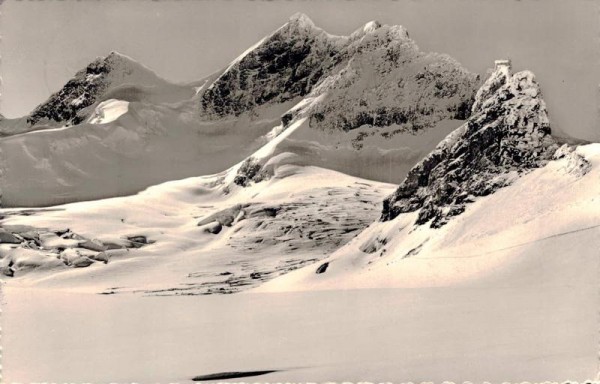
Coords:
507,134
251,170
32,248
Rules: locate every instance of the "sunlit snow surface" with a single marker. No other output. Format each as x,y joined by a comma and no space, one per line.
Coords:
296,217
108,111
551,215
505,292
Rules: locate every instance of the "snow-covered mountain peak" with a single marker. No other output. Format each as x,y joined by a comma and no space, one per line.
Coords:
507,134
118,61
119,55
115,56
299,25
302,20
69,105
371,26
282,66
374,70
123,68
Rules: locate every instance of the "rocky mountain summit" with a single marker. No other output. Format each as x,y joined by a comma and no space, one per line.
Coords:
507,134
376,76
282,66
69,105
115,76
371,98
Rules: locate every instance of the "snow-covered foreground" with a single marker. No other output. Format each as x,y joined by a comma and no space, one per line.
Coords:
520,304
506,291
529,332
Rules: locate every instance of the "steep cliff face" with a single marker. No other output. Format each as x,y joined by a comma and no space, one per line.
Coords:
507,134
281,67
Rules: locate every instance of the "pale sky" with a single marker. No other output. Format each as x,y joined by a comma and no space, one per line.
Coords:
45,42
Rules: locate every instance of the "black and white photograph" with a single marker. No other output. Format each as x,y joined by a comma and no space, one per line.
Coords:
297,191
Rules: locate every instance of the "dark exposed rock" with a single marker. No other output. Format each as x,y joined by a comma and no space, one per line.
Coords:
322,268
82,262
79,93
62,232
507,134
285,65
93,245
8,238
250,171
104,78
214,228
8,269
138,241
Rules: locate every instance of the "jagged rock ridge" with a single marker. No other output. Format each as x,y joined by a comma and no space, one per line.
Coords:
507,134
282,66
377,76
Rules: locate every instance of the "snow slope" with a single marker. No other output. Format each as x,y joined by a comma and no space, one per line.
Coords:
108,111
496,192
147,145
505,292
545,227
193,236
453,282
